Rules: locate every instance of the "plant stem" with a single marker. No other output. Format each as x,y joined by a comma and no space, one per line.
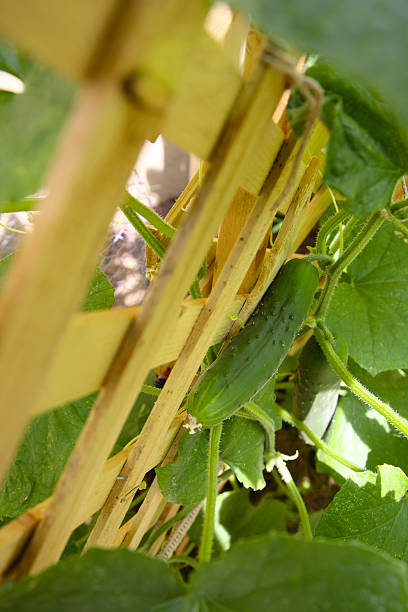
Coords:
265,420
357,388
144,231
295,495
150,390
318,442
152,217
211,494
334,246
186,560
327,228
335,270
391,217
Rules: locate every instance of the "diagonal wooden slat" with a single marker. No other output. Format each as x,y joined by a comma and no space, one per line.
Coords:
39,294
64,35
178,269
177,385
93,338
15,535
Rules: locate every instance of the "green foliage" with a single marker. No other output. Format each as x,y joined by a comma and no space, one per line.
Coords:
291,572
364,39
237,517
372,509
364,436
41,457
370,306
242,447
368,149
30,123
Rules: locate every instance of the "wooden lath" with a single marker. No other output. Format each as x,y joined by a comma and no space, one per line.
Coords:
129,369
141,77
116,111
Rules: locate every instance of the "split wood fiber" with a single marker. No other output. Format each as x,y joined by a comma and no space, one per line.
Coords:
177,385
15,535
159,309
92,340
55,265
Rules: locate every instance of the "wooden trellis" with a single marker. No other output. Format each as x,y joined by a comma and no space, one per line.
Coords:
145,67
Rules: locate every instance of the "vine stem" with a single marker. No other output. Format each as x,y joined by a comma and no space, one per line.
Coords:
211,494
318,442
335,270
391,217
149,214
144,231
327,228
356,387
265,420
295,495
150,390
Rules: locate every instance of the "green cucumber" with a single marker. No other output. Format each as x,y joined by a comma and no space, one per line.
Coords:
255,354
317,386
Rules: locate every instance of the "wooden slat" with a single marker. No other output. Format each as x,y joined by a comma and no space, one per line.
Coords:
56,262
284,243
15,535
92,340
64,35
180,379
129,370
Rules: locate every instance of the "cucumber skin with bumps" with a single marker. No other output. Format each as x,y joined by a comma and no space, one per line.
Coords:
255,354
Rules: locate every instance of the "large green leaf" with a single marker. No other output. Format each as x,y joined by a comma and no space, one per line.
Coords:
368,149
30,124
99,580
41,457
236,517
365,38
183,480
372,509
100,295
361,434
242,447
288,573
370,306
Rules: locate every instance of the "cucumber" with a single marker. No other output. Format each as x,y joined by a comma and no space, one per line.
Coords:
317,386
255,354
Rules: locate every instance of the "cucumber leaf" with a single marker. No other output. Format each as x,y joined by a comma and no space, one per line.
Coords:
293,573
41,457
361,434
298,574
368,149
30,124
183,480
370,306
236,517
99,580
366,39
372,509
100,295
50,437
242,447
